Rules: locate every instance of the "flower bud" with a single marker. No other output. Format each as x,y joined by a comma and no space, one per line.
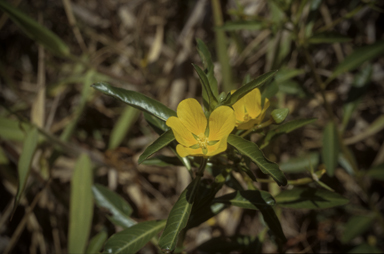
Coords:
279,115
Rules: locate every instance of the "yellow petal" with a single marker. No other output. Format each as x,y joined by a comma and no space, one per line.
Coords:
182,135
239,108
192,116
247,125
262,115
253,103
185,151
221,122
217,148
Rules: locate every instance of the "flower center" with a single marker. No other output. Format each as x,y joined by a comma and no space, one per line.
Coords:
202,140
247,117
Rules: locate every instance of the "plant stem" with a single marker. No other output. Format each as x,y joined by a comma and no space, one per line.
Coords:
257,127
221,47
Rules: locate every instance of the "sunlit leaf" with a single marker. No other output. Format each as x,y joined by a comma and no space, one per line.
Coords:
328,37
309,198
300,164
136,100
357,225
81,205
252,151
285,128
118,209
13,130
178,217
330,148
36,31
158,144
25,161
123,126
96,243
358,57
132,239
233,98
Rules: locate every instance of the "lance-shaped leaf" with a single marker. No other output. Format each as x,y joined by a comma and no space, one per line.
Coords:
376,172
208,96
157,125
358,57
205,56
158,144
270,218
132,239
178,217
117,207
205,212
25,161
285,128
123,126
96,243
136,100
309,198
36,31
357,225
247,199
233,98
252,151
300,164
330,149
13,130
81,206
328,37
242,25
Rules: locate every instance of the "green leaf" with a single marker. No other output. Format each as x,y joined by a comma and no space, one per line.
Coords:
136,100
81,205
13,130
356,225
118,209
163,161
242,25
252,151
365,248
158,144
285,128
328,37
204,213
178,217
330,149
233,98
309,198
123,126
273,222
36,31
205,56
158,125
291,87
96,243
25,161
376,172
358,57
209,96
286,74
132,239
247,199
300,164
358,89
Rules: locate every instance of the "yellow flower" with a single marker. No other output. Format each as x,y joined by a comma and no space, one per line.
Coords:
248,110
194,136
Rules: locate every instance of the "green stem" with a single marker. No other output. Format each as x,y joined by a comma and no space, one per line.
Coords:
257,127
221,46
